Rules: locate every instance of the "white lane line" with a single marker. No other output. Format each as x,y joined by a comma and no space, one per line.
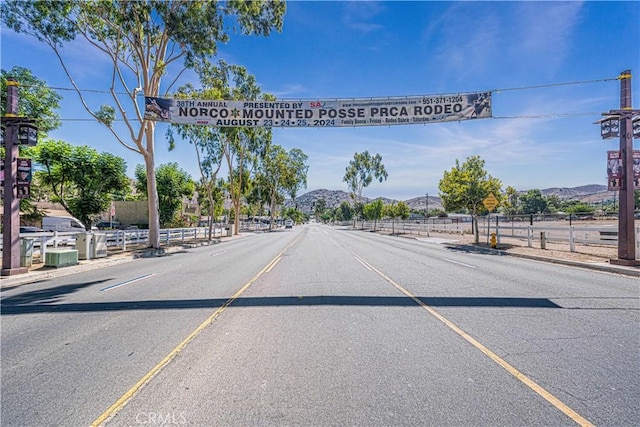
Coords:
458,263
218,253
128,282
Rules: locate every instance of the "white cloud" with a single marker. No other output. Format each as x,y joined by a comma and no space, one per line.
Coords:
359,14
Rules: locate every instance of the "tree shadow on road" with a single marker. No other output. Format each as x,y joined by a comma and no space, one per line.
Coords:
26,305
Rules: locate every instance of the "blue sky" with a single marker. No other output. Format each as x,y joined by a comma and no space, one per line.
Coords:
539,137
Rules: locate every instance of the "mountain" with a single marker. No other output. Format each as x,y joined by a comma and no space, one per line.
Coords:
575,192
593,193
333,199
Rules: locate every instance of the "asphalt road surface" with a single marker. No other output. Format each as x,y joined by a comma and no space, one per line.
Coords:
319,326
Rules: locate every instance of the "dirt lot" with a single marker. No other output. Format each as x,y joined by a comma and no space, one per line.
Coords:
583,253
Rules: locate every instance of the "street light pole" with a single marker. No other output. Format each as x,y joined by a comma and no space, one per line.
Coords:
11,219
622,121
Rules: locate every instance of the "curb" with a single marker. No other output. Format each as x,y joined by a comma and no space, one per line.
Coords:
93,264
627,271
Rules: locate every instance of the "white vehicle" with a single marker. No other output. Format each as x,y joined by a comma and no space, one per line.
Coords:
62,223
288,223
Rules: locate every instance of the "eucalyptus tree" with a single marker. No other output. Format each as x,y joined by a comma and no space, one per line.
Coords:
243,147
361,171
281,173
466,186
143,41
174,184
208,142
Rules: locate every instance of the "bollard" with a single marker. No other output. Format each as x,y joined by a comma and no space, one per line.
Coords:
543,240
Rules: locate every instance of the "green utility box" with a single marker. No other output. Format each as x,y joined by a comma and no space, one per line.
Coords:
61,257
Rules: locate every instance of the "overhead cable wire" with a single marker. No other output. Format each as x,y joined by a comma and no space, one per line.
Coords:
497,91
550,85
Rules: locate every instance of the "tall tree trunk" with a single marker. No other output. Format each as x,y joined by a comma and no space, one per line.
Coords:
154,207
476,231
272,208
152,190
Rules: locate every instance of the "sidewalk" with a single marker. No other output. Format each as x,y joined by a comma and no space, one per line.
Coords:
38,271
590,257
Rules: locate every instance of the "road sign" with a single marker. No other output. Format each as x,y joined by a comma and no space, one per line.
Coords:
490,202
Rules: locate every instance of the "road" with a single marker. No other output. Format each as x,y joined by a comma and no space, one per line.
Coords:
323,326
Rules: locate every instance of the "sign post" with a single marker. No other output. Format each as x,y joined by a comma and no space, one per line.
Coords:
17,130
490,202
622,123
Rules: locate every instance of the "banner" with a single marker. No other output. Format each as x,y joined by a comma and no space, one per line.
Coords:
615,170
321,113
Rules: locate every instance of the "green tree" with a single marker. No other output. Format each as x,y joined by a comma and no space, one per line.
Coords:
394,211
319,207
466,186
36,99
294,214
208,143
372,211
344,212
510,201
81,179
577,207
361,171
554,203
403,211
245,146
281,173
142,40
533,202
174,184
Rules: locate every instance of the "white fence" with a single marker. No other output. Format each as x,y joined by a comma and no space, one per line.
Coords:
586,233
121,238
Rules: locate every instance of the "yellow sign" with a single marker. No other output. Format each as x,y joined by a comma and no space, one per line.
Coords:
490,202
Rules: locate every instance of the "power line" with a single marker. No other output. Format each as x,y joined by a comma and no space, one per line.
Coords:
579,82
526,116
550,115
555,85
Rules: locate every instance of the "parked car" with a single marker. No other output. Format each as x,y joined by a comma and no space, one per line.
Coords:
29,229
62,223
288,223
108,225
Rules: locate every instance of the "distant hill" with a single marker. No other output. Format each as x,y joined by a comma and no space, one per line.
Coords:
593,193
575,192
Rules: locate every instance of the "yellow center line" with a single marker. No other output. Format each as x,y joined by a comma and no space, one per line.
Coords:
580,420
133,391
